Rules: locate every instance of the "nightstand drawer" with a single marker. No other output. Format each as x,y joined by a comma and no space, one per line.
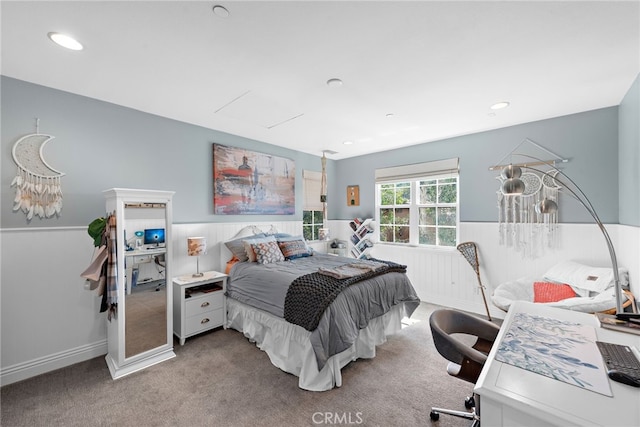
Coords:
197,305
205,321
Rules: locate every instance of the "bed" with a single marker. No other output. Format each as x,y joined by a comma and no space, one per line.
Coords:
271,299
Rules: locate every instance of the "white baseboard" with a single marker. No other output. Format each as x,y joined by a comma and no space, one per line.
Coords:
31,368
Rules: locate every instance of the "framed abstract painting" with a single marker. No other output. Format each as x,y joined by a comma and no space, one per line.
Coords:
247,182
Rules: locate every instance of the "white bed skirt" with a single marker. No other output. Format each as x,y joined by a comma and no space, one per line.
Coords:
289,348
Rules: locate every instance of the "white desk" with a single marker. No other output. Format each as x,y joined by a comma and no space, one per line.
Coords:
139,256
511,396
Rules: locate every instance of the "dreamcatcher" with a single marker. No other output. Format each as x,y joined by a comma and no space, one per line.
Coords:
38,189
520,223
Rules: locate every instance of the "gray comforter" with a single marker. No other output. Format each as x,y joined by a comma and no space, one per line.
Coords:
265,286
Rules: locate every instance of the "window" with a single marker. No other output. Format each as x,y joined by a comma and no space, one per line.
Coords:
312,218
418,204
311,223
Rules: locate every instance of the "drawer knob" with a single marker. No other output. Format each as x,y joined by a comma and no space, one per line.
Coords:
204,304
203,321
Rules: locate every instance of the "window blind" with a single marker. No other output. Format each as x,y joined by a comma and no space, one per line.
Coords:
417,170
312,182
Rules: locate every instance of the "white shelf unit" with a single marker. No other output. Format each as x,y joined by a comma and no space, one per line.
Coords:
360,239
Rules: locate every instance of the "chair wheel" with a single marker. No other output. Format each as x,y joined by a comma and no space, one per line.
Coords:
469,402
435,416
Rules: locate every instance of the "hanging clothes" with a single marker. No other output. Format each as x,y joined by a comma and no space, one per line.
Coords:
111,285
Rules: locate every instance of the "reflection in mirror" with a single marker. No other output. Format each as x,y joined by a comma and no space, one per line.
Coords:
146,318
145,305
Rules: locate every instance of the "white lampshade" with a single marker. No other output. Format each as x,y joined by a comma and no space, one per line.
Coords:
196,246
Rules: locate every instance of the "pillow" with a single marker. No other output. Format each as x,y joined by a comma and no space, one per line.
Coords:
551,292
284,237
267,252
237,247
582,278
233,261
293,249
279,236
249,251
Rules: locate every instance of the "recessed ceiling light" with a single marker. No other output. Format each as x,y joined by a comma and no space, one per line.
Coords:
348,142
500,105
220,11
390,115
334,82
65,41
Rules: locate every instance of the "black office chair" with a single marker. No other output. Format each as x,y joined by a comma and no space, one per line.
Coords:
465,358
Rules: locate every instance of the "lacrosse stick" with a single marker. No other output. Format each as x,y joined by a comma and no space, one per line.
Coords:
470,252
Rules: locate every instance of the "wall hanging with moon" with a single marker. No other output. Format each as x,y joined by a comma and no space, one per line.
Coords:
38,189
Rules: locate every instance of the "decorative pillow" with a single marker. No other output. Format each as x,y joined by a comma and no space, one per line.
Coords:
267,252
233,261
551,292
294,249
583,278
248,248
237,247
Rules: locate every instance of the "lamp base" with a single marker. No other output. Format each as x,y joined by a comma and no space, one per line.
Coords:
197,273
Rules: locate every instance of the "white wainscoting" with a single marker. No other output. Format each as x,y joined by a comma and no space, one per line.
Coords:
49,320
444,277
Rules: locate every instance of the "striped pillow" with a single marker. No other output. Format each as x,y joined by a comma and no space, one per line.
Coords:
294,249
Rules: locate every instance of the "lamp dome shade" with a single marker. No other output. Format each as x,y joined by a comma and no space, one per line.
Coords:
546,206
513,187
511,171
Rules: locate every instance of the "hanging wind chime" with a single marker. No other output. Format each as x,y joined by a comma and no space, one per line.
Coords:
38,186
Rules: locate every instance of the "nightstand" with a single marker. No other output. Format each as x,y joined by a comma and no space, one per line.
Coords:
199,303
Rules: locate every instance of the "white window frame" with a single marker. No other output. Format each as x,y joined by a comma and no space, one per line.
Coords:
413,174
311,187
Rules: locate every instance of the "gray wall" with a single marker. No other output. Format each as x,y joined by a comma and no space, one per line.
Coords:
100,145
589,140
629,156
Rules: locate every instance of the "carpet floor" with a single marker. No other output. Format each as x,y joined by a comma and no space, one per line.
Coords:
221,379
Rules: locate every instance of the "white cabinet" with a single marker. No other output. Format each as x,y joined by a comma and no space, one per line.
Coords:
140,334
361,237
198,303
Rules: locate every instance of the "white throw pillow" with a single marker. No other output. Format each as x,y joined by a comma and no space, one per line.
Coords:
583,278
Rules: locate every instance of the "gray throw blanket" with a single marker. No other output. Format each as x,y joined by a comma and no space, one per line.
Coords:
309,295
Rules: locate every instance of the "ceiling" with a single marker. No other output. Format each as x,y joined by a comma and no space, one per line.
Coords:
411,72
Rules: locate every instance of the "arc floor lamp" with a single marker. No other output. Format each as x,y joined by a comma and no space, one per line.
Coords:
513,185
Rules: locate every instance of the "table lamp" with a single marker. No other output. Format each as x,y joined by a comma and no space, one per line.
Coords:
197,246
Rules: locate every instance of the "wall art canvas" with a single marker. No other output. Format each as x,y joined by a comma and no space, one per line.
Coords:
248,182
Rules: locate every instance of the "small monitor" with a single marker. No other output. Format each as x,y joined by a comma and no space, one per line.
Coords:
154,236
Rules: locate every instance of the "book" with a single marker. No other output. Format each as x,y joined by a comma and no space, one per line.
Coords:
609,321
